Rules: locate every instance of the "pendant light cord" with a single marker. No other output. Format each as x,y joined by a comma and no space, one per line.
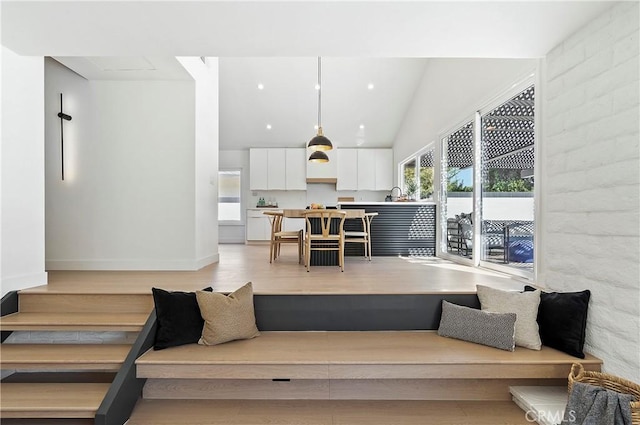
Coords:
319,92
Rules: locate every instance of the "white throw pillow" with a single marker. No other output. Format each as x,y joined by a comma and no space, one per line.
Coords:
523,304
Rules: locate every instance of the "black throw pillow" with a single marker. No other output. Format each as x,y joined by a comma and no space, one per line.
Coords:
562,318
178,318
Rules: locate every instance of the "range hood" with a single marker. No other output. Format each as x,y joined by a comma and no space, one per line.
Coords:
323,172
330,180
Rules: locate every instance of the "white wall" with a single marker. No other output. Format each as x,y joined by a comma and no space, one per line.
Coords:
22,172
206,157
450,91
591,171
128,199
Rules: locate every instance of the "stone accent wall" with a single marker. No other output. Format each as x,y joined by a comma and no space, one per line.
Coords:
590,168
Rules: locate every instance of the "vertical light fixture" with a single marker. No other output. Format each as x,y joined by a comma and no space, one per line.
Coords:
319,143
63,117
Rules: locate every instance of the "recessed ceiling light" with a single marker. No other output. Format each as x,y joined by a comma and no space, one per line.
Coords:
317,86
260,86
268,126
370,86
361,126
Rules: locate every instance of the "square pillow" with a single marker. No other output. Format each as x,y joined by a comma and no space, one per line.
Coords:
562,317
227,317
523,304
482,327
178,317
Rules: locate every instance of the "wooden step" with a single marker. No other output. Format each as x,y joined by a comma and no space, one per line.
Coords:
322,412
108,357
52,302
355,355
337,389
132,322
61,400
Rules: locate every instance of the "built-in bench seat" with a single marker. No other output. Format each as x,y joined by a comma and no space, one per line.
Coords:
411,365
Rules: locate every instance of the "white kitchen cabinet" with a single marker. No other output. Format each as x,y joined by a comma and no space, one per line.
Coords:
384,169
347,169
258,226
296,168
258,169
277,169
367,169
320,172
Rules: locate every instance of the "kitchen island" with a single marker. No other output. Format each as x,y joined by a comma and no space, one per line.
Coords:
401,228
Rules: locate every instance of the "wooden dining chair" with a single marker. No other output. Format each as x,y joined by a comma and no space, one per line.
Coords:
279,236
363,237
322,236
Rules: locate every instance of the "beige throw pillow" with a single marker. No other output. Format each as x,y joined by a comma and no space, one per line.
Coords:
523,304
227,317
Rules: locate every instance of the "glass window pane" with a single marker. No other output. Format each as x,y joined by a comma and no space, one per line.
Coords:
409,185
457,189
229,195
507,182
426,175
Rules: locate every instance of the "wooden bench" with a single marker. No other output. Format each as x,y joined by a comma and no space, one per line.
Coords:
373,365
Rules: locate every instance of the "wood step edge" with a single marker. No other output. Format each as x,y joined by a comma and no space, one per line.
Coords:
73,321
59,400
102,357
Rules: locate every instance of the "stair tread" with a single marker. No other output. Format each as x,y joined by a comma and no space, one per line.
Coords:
325,412
73,321
82,356
52,400
349,348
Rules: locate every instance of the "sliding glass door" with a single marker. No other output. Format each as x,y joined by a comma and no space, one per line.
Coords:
507,201
487,203
456,179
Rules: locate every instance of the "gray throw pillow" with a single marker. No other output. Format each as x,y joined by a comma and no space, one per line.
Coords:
523,304
482,327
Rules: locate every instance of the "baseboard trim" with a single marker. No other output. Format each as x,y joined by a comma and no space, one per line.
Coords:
159,265
16,283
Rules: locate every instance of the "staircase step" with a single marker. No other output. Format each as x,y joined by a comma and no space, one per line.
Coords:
51,302
64,356
132,322
62,400
325,412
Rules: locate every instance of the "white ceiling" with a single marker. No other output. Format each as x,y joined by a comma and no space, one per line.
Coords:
289,100
276,43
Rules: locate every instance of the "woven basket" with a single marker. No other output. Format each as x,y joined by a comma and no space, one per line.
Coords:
610,382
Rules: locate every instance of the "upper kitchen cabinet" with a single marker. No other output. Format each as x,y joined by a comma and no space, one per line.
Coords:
277,169
384,168
347,169
296,169
323,172
365,169
258,169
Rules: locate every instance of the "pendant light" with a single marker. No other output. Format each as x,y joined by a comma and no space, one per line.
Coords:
319,143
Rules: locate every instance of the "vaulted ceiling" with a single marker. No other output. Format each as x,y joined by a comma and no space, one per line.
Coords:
275,43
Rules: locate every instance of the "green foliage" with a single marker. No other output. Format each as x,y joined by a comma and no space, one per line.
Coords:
501,180
455,184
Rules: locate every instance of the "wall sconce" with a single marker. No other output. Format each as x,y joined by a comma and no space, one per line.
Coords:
63,117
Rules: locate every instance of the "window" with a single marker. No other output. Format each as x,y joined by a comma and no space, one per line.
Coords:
229,195
425,188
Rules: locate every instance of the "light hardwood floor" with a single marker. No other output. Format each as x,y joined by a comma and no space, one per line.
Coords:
243,263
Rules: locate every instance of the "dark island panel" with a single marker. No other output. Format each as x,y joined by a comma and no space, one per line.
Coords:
399,229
